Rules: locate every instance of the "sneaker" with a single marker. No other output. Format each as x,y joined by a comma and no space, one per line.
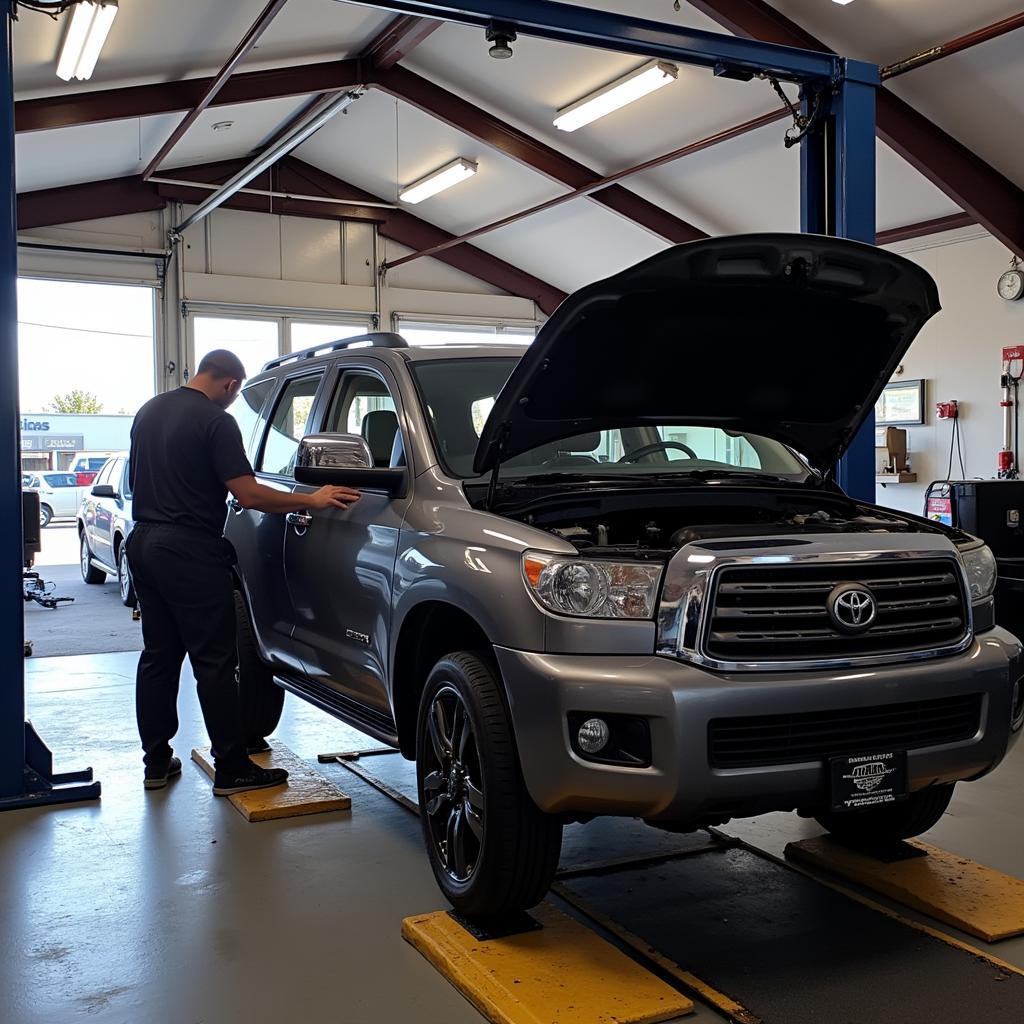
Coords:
157,775
257,746
249,776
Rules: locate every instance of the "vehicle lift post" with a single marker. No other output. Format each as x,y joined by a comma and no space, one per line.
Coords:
837,165
27,778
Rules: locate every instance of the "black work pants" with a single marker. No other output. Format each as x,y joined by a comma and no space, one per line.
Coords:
183,582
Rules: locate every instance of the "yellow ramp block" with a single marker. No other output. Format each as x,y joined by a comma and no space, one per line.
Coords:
562,974
305,792
953,889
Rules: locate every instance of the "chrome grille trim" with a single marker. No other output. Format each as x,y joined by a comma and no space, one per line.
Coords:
693,574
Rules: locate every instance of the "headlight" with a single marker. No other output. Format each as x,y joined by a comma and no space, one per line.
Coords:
980,564
592,589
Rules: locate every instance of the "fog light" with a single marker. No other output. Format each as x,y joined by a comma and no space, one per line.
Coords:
1017,706
593,736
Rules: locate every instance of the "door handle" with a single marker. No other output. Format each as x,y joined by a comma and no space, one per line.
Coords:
299,519
235,505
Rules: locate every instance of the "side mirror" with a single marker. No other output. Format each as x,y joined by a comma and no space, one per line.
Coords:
345,460
103,491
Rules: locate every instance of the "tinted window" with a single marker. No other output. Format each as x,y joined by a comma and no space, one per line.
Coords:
246,409
116,469
103,477
288,425
61,479
126,487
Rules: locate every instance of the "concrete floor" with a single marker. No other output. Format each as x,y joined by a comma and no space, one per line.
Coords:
96,623
168,908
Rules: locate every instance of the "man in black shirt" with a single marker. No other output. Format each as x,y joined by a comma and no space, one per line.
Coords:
186,454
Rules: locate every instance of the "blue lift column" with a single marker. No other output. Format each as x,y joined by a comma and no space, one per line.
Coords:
837,190
26,766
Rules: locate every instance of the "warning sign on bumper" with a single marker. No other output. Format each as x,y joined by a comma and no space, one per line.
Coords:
868,780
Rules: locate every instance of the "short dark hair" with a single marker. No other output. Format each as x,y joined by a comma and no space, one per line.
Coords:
221,364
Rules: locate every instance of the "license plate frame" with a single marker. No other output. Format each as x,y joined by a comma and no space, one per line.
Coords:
862,781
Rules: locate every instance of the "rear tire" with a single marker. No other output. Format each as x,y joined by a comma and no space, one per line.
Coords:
492,850
890,824
45,516
261,698
124,577
89,571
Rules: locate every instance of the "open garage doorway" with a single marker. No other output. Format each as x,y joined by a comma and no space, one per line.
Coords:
86,363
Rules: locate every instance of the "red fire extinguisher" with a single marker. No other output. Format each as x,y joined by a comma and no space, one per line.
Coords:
1013,360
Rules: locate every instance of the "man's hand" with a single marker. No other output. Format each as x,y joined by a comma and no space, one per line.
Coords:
332,497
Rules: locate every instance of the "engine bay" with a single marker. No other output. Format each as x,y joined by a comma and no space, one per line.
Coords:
654,526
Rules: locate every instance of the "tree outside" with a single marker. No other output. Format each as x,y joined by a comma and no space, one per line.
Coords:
76,401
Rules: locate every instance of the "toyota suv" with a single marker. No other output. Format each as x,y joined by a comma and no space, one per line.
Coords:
613,574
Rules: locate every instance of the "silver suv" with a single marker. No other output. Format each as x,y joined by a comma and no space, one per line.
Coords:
611,573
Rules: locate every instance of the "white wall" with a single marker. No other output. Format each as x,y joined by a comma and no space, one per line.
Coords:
268,262
959,356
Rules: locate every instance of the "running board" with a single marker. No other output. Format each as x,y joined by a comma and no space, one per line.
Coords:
102,566
375,724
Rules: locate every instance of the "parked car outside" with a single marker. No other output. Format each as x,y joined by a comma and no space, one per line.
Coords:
104,523
85,467
59,495
705,628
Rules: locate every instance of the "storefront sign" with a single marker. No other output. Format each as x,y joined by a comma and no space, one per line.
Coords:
53,443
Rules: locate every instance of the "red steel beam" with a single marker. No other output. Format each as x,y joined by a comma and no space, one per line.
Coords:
988,196
398,39
495,132
99,105
647,165
924,227
961,43
219,80
92,200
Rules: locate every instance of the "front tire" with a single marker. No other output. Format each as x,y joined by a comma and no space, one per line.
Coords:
892,823
492,850
124,577
45,516
261,698
89,571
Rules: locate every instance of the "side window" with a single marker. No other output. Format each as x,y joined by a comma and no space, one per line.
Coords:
247,408
363,405
288,425
103,477
115,476
126,481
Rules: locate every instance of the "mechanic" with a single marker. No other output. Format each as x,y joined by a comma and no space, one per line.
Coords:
186,454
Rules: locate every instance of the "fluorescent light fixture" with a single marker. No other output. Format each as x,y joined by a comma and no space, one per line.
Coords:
842,3
87,32
451,174
627,89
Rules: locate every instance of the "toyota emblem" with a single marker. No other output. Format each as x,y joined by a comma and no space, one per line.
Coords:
852,607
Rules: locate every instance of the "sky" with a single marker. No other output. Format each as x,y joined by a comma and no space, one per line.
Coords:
86,336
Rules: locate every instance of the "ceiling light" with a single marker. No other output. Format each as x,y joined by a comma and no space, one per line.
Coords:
222,126
842,3
633,86
451,174
87,32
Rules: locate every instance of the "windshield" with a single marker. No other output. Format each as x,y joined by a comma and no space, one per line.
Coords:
459,394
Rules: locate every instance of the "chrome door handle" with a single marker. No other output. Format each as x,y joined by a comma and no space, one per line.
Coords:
235,505
300,519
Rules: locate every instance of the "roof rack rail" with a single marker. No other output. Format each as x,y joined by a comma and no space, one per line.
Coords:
376,339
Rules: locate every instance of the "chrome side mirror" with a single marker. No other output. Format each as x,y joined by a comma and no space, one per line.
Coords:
333,451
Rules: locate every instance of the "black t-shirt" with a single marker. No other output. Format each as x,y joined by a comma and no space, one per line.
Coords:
184,449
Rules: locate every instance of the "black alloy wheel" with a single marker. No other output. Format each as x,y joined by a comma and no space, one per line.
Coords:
492,850
452,785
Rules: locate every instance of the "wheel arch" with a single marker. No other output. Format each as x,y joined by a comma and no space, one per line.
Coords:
429,631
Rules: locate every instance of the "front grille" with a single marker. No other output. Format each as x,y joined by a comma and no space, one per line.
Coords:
779,613
814,736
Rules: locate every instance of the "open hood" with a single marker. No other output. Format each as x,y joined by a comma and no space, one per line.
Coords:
786,335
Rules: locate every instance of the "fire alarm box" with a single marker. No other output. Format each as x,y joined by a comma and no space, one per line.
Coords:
947,410
1012,353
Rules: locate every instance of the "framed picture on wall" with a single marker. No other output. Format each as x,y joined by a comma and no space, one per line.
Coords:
901,404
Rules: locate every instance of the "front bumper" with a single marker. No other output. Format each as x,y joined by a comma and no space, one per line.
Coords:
679,700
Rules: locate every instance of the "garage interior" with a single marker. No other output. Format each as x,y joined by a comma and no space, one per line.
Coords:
244,176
